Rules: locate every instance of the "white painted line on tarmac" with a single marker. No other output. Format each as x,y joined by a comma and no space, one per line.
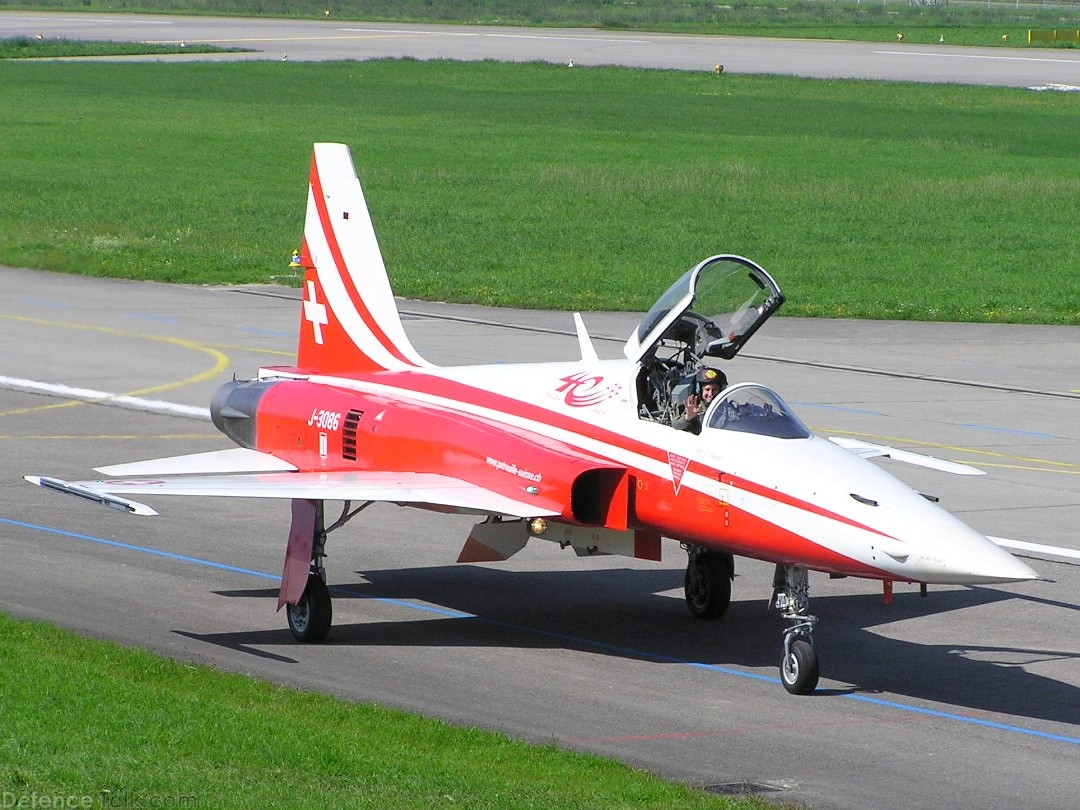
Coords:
492,35
104,398
986,57
1037,548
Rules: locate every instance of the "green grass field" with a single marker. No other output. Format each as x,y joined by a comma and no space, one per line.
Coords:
541,186
100,726
34,48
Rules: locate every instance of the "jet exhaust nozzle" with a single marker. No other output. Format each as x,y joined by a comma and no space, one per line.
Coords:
235,407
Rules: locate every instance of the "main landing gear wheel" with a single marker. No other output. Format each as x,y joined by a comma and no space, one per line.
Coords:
707,584
310,618
799,668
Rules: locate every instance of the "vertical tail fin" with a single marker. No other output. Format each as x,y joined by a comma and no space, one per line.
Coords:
349,320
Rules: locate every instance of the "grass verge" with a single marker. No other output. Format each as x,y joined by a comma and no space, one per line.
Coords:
41,48
97,725
540,186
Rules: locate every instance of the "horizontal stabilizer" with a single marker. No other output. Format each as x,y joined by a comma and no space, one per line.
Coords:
869,450
234,460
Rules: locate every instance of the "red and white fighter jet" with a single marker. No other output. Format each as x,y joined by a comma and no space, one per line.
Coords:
582,452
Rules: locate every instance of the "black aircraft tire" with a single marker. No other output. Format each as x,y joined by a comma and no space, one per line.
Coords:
799,668
310,618
707,584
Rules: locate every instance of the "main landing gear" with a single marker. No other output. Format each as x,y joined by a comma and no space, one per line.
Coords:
310,618
311,615
799,666
707,584
707,587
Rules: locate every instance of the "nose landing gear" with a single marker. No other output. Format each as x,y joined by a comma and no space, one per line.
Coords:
799,668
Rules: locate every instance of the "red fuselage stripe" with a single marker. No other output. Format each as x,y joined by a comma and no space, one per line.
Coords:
467,396
806,506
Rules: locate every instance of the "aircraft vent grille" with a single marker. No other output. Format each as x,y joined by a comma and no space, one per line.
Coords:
348,435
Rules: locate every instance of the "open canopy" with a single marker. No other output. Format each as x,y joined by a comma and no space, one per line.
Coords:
714,309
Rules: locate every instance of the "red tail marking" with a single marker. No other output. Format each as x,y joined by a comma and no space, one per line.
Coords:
343,269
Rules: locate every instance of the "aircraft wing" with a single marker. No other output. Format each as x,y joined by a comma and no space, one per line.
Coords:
407,488
869,450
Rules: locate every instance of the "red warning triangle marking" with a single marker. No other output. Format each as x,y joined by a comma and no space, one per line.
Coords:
678,467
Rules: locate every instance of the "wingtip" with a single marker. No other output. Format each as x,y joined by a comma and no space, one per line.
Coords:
84,490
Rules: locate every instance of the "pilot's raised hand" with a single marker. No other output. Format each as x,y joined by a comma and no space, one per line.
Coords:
694,407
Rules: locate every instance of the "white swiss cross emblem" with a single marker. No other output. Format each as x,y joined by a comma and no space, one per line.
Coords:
315,312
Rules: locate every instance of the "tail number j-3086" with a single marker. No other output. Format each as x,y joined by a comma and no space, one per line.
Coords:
324,420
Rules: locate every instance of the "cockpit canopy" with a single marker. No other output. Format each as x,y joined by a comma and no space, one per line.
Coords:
752,408
709,313
713,310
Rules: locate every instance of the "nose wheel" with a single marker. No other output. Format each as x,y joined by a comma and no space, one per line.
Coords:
799,666
799,669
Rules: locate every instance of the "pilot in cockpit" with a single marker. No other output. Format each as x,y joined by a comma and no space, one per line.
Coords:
709,382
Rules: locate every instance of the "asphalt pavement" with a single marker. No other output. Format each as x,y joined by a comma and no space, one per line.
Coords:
968,697
332,39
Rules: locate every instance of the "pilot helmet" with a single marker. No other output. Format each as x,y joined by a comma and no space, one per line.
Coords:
711,375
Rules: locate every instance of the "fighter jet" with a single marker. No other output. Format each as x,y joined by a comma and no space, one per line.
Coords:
591,453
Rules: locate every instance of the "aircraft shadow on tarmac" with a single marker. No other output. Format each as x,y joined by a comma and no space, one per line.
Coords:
619,612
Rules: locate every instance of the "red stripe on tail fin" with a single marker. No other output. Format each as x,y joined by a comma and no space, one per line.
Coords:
348,320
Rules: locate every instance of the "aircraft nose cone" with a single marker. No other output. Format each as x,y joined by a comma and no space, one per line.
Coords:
956,554
1011,569
987,564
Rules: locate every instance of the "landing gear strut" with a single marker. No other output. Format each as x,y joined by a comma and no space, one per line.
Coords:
311,615
707,584
799,666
